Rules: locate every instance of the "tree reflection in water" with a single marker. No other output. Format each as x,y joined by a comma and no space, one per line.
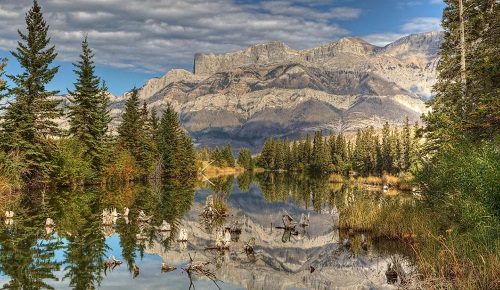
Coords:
245,249
27,252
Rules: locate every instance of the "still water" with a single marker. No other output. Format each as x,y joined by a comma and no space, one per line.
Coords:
235,229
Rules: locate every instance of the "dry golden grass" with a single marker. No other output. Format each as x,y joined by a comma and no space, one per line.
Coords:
336,178
214,171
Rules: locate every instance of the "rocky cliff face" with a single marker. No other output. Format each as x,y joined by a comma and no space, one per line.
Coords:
246,96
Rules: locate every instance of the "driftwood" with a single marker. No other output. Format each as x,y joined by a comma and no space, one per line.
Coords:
167,268
199,268
111,263
249,246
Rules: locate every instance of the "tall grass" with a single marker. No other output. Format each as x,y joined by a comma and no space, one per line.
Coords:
454,232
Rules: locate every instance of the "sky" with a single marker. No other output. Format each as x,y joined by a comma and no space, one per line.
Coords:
136,40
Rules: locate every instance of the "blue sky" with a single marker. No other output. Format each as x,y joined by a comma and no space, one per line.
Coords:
146,38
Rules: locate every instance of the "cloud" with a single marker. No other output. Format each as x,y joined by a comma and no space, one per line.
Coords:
157,35
422,24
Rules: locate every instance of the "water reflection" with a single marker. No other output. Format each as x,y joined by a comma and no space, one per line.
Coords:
275,232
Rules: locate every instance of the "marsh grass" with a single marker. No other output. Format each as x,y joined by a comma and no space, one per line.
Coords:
448,257
405,181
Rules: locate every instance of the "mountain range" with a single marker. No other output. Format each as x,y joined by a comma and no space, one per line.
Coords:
247,96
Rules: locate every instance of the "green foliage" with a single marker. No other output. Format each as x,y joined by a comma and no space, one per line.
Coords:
371,154
28,125
227,156
467,91
175,148
464,180
88,114
245,159
74,167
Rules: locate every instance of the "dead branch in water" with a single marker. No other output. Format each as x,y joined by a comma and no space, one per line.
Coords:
200,268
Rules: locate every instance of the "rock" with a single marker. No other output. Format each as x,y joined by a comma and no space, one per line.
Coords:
271,90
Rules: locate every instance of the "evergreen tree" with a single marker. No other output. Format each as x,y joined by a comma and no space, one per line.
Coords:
245,159
175,148
396,151
88,114
228,156
386,150
468,85
129,130
216,157
268,154
294,155
280,154
406,146
154,120
28,121
307,150
320,160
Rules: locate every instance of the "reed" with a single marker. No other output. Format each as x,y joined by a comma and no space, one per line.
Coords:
445,259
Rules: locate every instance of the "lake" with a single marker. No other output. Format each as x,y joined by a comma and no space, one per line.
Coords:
272,231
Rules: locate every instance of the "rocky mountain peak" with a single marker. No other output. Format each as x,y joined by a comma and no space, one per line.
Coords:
423,45
270,89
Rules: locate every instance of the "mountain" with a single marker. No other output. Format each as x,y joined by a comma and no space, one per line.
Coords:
246,96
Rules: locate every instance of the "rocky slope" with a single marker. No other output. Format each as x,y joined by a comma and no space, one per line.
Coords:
246,96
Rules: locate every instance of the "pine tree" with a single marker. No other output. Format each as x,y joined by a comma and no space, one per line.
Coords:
228,156
175,148
28,122
386,155
245,159
216,157
280,151
130,128
88,113
468,85
268,154
406,144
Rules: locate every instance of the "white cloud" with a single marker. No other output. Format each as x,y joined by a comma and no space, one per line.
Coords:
422,24
345,13
157,35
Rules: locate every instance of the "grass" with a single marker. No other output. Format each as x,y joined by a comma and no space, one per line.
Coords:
405,181
447,256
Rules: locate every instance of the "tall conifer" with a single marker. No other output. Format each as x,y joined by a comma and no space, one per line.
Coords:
28,124
88,113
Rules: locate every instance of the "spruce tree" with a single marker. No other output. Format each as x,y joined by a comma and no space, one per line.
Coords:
468,86
28,122
88,113
130,128
228,156
245,159
386,155
175,148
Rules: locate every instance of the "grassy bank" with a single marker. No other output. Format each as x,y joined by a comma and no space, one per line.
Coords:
404,181
455,230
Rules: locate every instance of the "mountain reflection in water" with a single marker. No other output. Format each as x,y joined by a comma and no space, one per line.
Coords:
245,241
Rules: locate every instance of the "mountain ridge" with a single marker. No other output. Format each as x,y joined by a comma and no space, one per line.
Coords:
270,89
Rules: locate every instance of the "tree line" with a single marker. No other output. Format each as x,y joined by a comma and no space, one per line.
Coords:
35,151
392,151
